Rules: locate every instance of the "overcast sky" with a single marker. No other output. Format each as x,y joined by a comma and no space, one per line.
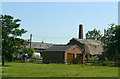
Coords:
57,22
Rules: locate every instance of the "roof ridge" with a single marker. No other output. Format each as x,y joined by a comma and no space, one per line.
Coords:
62,45
41,42
59,47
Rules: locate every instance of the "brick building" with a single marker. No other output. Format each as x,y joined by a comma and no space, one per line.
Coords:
63,54
75,51
90,47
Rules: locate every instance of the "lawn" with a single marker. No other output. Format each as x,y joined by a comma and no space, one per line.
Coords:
57,70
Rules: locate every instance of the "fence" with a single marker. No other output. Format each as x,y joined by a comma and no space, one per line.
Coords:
103,63
30,60
89,62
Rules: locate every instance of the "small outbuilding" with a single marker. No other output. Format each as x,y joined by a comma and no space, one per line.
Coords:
63,54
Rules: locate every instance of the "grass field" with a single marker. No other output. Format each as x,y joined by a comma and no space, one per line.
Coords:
57,70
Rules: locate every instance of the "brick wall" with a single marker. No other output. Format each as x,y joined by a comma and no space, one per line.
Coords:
75,50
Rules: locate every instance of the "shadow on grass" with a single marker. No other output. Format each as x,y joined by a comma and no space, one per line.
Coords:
60,78
104,64
6,65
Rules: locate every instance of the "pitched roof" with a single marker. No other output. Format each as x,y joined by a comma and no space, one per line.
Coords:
91,46
40,45
59,47
89,41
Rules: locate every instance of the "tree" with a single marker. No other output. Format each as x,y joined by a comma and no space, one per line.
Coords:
10,32
29,51
111,40
94,35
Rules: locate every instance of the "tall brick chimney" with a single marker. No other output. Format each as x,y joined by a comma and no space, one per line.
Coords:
80,31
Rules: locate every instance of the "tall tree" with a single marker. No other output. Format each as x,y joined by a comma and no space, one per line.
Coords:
111,40
10,33
94,35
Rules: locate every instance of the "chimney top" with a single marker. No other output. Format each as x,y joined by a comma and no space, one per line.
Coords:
80,25
80,31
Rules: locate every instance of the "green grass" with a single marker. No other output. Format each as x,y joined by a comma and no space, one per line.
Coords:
57,70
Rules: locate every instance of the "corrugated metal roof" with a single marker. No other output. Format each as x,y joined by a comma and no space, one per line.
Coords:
59,47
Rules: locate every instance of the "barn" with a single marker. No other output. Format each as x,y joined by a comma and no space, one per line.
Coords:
90,47
63,54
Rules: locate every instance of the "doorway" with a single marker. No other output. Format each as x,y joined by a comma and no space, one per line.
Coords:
70,57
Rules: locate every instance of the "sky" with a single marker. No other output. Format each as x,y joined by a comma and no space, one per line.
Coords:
58,22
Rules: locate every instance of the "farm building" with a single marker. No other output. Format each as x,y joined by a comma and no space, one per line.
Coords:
75,51
63,54
39,46
90,47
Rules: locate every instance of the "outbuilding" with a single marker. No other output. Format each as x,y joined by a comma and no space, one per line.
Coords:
90,47
63,54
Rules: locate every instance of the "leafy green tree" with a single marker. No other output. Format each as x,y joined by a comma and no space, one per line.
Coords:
29,51
111,40
94,35
10,33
